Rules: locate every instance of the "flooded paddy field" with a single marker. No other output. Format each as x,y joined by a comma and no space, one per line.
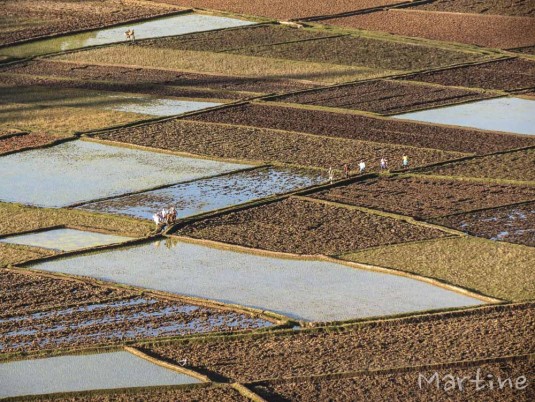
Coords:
413,341
361,127
514,165
476,264
205,195
510,74
83,373
306,227
98,171
424,197
65,239
285,286
259,144
513,115
166,26
384,96
513,224
156,106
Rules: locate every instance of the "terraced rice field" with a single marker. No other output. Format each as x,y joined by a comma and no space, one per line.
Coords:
13,143
521,8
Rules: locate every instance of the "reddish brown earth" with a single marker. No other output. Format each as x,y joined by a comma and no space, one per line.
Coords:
305,227
514,224
32,19
525,50
384,96
522,8
483,333
424,198
282,9
403,384
130,79
509,74
21,141
484,30
360,127
258,144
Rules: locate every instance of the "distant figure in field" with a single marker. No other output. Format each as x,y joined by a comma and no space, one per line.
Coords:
171,216
130,35
347,168
405,161
331,175
384,164
362,167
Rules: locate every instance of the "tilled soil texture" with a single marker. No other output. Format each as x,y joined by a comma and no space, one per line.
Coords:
11,254
514,224
492,31
114,322
384,96
258,144
282,9
21,141
23,294
152,81
219,393
521,8
486,332
26,19
516,165
307,227
360,127
508,75
525,50
421,197
407,384
361,51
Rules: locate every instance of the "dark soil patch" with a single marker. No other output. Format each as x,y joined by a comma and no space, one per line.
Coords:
483,30
403,384
521,8
510,74
487,332
384,96
511,224
305,227
516,165
18,142
424,198
525,50
130,79
366,128
258,144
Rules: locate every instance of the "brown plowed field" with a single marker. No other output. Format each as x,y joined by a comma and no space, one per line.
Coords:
492,31
384,96
517,165
366,128
25,19
510,74
363,51
487,332
258,144
305,227
514,224
17,142
282,9
130,79
525,50
520,8
423,198
403,384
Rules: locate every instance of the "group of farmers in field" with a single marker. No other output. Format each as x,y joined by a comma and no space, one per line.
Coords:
164,217
362,167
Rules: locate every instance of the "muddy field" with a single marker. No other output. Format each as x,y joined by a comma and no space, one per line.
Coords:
402,384
363,51
487,332
520,8
258,144
281,9
384,96
508,75
22,141
366,128
525,50
14,254
511,224
516,165
424,198
27,19
131,79
305,227
483,30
